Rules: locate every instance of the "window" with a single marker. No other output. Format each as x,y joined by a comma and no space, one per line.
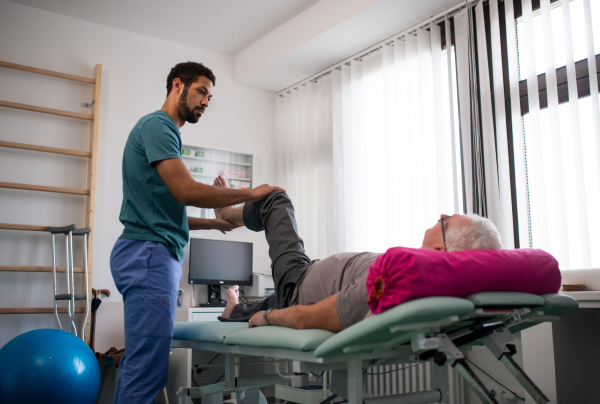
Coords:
562,167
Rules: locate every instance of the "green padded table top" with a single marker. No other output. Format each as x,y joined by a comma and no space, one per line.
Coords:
279,337
558,305
206,331
405,318
376,329
506,299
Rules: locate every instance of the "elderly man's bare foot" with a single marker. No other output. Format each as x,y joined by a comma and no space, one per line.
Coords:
229,213
233,298
220,182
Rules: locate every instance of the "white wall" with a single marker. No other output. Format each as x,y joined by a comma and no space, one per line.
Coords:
135,68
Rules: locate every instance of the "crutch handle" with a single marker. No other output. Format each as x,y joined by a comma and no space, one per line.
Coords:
66,296
59,230
81,232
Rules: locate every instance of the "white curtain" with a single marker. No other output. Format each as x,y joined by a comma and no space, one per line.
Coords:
306,162
366,151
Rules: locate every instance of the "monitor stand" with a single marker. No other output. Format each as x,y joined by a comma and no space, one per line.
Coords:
214,296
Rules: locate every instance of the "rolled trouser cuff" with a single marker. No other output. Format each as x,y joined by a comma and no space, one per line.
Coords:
251,216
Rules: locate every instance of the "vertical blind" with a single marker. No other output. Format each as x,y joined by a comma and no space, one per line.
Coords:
557,144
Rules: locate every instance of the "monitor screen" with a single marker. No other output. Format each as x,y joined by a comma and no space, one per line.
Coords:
215,262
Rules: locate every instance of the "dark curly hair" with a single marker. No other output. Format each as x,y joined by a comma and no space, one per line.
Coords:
188,73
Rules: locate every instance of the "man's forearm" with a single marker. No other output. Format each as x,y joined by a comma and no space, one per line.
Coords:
200,224
292,317
322,315
207,196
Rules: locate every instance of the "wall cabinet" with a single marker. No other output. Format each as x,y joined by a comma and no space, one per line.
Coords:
206,163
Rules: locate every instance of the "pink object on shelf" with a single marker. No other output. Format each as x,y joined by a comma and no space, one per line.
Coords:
224,173
403,274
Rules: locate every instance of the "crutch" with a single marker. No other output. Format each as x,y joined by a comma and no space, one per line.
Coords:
85,296
68,232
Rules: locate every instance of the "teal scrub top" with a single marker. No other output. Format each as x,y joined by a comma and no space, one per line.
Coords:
149,210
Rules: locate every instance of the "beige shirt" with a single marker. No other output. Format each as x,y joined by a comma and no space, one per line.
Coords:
344,273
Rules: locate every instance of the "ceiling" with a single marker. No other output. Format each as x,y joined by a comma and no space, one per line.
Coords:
275,43
225,26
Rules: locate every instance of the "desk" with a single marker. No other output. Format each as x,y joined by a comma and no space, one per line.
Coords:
181,361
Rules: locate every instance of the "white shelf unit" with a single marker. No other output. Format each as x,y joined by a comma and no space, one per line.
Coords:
206,163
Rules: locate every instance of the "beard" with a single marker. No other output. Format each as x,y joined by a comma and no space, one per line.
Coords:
184,109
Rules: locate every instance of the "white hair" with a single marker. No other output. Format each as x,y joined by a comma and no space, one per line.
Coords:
481,234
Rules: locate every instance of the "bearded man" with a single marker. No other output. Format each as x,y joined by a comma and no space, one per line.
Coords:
146,260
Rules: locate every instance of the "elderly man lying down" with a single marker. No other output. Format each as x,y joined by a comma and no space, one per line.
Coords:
328,294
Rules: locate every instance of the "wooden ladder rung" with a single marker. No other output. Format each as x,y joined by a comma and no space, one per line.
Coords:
44,188
43,110
38,310
25,268
46,149
47,72
26,227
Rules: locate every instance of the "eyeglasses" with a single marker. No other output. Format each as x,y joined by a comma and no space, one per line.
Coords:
441,221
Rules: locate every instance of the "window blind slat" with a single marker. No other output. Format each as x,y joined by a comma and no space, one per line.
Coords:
462,67
557,207
441,143
517,124
427,114
535,159
451,104
505,224
582,244
487,125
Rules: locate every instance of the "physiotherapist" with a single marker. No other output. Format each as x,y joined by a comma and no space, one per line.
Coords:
146,260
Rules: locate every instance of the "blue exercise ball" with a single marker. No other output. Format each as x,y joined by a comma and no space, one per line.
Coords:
48,366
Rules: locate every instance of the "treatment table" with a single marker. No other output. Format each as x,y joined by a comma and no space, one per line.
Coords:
434,329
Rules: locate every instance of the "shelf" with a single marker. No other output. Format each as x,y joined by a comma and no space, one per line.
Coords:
26,227
213,176
46,149
37,310
43,110
233,163
47,72
44,188
18,268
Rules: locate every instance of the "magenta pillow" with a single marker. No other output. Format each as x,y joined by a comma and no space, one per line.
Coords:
403,274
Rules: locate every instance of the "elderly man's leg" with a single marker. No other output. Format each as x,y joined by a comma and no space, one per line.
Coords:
275,215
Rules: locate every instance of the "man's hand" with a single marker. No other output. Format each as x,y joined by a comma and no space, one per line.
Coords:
224,225
262,191
257,320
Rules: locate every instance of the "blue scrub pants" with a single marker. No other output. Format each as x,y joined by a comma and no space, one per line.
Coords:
148,277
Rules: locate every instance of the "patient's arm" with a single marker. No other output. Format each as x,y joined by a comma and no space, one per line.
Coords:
321,315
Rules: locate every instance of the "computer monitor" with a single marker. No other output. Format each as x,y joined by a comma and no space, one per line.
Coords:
219,262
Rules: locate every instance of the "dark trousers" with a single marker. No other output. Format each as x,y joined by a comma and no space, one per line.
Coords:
275,215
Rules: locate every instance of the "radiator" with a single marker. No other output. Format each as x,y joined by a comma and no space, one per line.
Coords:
400,379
